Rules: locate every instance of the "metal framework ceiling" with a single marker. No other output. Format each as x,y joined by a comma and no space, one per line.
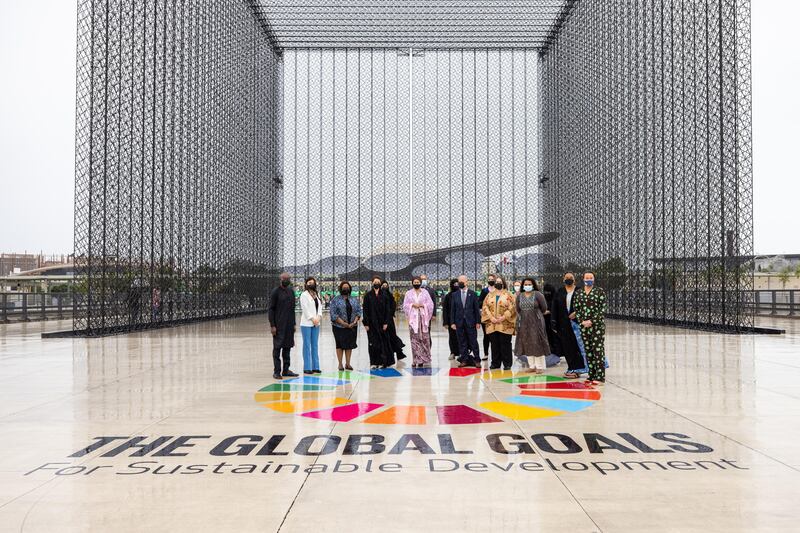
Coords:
412,23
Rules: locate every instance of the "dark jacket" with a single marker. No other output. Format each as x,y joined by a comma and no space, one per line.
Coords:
559,310
281,316
446,308
377,309
432,294
461,314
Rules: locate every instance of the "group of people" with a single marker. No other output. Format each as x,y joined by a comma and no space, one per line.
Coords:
571,324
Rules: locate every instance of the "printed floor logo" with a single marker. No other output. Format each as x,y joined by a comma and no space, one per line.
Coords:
327,397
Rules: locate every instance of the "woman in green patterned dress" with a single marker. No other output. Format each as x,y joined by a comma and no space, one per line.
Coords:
590,312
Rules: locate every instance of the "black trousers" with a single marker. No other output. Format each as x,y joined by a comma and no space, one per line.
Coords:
452,340
501,350
277,352
468,344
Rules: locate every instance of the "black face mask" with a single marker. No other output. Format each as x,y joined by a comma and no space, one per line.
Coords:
345,292
286,282
490,283
416,285
461,284
454,287
569,282
498,286
376,286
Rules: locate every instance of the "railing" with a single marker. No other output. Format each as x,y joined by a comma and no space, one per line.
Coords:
777,302
21,306
25,306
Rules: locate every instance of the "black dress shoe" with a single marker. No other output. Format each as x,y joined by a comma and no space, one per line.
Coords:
309,372
317,371
289,374
276,375
494,367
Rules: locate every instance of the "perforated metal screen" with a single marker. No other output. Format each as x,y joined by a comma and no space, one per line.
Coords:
219,142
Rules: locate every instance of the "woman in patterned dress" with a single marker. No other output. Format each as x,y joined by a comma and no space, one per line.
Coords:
418,307
532,335
590,312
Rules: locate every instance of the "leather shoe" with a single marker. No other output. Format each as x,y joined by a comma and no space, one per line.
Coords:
289,374
276,375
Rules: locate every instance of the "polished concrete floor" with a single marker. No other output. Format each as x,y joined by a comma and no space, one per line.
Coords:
693,432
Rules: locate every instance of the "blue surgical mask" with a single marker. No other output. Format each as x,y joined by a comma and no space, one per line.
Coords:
424,282
528,288
588,282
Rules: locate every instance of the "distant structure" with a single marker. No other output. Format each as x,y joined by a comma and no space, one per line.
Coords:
13,263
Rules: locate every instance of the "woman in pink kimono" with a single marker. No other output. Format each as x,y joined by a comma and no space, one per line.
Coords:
418,307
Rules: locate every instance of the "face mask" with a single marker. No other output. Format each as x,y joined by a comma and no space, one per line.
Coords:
345,292
286,282
490,283
461,284
416,285
528,288
376,285
588,282
424,282
569,282
498,286
312,286
454,287
516,288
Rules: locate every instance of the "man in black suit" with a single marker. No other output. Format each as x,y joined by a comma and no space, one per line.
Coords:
563,314
282,326
465,317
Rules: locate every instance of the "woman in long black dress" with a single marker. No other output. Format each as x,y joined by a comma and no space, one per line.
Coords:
394,339
377,317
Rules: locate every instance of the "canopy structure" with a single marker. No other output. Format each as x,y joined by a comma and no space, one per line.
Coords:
221,142
413,23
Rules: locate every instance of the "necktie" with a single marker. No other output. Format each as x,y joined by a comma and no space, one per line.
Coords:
464,298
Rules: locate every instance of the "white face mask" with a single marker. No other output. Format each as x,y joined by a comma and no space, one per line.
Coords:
528,288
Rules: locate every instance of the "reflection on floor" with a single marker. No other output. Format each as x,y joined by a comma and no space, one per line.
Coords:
185,430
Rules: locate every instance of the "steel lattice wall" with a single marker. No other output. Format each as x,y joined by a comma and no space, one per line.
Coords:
647,170
177,167
390,151
617,132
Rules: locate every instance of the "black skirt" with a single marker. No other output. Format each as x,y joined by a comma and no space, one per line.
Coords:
345,338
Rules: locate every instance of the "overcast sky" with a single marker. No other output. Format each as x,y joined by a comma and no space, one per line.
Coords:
37,121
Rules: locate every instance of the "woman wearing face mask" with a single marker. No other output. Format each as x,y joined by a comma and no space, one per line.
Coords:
499,316
345,314
310,318
452,338
590,312
377,316
532,335
418,308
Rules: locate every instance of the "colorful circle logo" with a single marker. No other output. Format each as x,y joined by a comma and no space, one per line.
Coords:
337,396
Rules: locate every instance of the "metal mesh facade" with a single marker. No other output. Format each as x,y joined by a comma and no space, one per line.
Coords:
646,160
615,132
392,151
177,167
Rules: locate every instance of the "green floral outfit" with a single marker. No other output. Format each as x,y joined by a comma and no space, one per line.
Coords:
592,306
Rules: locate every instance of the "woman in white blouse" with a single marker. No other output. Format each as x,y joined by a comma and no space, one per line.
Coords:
310,318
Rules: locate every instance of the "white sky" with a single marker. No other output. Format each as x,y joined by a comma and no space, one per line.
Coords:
37,122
